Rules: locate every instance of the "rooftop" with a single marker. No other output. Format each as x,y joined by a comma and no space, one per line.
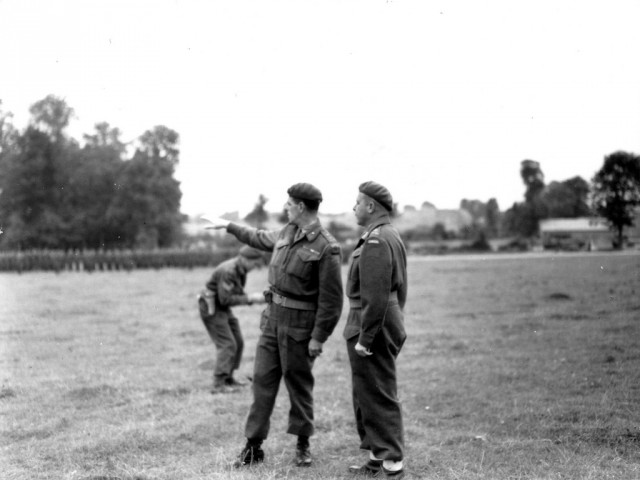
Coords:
581,224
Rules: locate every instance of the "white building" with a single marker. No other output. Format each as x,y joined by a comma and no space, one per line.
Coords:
583,233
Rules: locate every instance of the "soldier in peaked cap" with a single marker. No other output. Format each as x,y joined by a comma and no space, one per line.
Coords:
304,302
377,291
224,290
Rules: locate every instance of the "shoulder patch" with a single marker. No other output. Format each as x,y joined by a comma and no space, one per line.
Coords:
327,235
375,231
373,240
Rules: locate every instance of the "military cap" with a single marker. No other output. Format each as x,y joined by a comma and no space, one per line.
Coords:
250,253
379,193
305,191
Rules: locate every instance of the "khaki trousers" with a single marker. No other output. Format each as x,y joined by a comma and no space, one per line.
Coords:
283,352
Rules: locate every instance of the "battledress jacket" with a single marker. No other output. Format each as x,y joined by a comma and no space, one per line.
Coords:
378,267
306,269
227,281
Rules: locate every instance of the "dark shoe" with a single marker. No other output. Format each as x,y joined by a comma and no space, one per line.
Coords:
232,382
303,457
217,389
372,468
250,455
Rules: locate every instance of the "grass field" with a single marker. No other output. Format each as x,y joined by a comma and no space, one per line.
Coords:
515,368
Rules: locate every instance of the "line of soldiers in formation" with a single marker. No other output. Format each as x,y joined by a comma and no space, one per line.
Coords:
106,260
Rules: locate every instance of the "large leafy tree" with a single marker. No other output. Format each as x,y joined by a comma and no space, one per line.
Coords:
523,218
492,218
35,200
106,137
8,143
567,199
31,196
93,184
145,211
8,152
533,179
51,115
55,194
485,217
616,191
8,133
161,146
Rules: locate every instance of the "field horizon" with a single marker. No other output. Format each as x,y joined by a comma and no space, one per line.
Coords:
516,367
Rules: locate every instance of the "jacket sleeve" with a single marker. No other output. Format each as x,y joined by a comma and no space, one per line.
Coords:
227,293
330,294
402,294
211,284
375,284
260,239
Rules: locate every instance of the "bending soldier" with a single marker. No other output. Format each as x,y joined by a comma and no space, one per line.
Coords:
224,290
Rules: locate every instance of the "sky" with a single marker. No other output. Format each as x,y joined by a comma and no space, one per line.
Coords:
437,100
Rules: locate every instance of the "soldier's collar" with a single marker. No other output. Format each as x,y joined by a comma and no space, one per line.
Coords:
312,230
378,222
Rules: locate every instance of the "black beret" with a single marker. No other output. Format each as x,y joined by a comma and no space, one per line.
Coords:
250,253
379,193
305,191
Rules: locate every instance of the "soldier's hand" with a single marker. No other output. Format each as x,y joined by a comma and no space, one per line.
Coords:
363,351
216,222
256,298
315,348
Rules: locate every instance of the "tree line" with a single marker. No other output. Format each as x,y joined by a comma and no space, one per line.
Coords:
107,194
104,194
614,194
564,199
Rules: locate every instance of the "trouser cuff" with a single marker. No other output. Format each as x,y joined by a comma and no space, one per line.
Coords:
254,442
303,441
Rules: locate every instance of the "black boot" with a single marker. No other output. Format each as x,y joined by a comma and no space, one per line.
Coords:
251,454
303,455
232,382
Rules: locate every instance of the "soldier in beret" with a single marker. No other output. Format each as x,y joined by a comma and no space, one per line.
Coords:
377,291
224,290
304,304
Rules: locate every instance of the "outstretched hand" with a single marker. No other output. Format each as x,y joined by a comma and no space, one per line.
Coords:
216,222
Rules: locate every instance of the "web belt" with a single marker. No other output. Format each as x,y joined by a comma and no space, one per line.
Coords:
357,303
292,303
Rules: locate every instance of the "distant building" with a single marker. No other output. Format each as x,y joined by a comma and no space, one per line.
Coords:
583,233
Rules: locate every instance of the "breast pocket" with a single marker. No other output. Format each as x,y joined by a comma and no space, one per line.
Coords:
279,252
354,262
302,262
